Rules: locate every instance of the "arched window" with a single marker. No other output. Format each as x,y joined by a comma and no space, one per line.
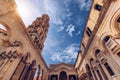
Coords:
106,39
92,61
3,30
38,73
117,23
118,20
89,72
97,51
63,75
99,56
110,71
110,43
93,66
99,75
101,59
33,63
25,58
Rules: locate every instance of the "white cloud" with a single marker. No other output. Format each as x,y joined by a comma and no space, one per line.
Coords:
68,9
53,9
84,4
78,32
70,30
66,55
61,29
72,50
56,57
69,14
67,2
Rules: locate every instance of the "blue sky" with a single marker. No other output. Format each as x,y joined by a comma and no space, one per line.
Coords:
67,22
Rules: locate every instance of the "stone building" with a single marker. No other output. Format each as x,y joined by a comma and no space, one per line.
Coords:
20,56
99,58
38,31
62,71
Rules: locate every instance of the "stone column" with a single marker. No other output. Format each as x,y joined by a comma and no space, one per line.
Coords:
19,70
31,71
67,77
25,71
42,76
31,74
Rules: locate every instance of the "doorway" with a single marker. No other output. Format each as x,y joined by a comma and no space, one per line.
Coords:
63,75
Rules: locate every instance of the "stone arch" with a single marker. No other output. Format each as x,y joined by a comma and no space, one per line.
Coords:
26,57
113,22
33,63
91,59
3,34
89,72
5,25
100,60
2,28
38,73
63,75
97,51
94,50
6,28
102,37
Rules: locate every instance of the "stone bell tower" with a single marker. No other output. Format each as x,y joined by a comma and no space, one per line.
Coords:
38,31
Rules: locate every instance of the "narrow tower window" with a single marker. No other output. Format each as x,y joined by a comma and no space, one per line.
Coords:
98,7
88,31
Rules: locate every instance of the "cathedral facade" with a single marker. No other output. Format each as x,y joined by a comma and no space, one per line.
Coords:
62,71
99,58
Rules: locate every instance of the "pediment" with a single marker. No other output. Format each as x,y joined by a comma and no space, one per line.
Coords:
62,66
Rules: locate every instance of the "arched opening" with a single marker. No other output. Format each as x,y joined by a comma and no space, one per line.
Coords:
37,75
63,75
33,64
93,66
99,56
92,61
97,53
42,74
106,39
54,77
117,23
3,31
89,72
25,58
2,27
109,69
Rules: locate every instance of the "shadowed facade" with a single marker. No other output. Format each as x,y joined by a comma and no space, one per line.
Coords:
99,58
